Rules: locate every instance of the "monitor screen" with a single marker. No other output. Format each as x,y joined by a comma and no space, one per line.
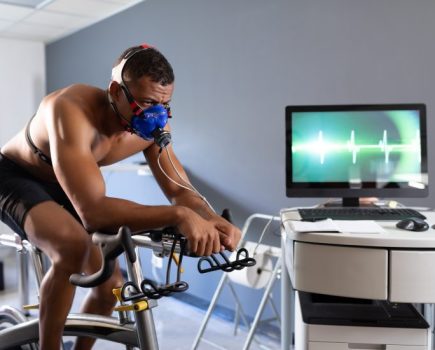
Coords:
354,151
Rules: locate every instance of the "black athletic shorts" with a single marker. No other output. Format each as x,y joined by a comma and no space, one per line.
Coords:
20,191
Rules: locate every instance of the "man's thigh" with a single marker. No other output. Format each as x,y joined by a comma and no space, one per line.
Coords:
54,230
21,191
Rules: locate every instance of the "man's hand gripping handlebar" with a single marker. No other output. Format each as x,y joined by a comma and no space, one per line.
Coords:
166,242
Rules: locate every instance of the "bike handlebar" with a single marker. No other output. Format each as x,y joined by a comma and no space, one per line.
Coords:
163,242
112,246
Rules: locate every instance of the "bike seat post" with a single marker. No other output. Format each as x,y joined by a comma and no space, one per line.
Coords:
37,260
147,335
26,250
23,272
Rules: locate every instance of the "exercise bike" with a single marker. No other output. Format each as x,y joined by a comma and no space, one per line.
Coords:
134,325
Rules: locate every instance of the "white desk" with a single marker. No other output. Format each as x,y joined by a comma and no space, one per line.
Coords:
397,265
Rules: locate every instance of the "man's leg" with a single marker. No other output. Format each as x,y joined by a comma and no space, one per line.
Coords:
53,230
100,300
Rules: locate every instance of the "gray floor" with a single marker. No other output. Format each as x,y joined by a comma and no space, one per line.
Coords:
177,323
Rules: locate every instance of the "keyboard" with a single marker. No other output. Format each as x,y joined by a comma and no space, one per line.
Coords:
355,213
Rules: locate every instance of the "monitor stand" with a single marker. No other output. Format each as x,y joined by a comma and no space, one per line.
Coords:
351,202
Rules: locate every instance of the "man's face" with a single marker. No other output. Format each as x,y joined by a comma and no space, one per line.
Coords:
145,93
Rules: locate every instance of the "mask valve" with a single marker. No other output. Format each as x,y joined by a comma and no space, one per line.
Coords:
162,138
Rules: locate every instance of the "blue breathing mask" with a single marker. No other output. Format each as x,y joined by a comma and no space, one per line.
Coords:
148,121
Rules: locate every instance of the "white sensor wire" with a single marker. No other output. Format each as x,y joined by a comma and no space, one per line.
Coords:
262,234
192,188
189,186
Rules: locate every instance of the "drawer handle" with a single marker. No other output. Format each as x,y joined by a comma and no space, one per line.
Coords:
358,346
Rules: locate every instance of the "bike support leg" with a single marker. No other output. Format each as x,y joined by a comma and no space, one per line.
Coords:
146,333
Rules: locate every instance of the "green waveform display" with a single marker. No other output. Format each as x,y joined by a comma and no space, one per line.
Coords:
322,147
356,146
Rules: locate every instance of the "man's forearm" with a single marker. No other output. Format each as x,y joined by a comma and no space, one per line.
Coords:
196,203
111,213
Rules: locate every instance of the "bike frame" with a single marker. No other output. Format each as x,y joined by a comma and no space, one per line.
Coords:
140,333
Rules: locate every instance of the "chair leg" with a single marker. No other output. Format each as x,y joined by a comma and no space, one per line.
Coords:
2,278
262,304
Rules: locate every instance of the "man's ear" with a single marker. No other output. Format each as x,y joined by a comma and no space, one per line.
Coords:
114,90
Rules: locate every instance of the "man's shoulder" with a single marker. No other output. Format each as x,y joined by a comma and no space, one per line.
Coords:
82,87
76,96
79,91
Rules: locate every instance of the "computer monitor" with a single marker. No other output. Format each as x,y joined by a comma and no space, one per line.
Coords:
354,151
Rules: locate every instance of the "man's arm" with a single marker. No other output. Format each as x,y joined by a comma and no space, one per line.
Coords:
180,196
71,137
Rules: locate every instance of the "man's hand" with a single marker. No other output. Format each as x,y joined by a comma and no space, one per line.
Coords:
228,233
203,235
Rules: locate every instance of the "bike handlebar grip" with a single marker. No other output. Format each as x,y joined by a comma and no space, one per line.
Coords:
226,214
111,247
95,279
127,243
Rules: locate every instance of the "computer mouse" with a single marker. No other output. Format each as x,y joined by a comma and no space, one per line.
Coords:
413,224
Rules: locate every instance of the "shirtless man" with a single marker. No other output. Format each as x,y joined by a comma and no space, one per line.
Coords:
52,190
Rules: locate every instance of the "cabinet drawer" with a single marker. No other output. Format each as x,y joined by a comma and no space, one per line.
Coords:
342,271
412,276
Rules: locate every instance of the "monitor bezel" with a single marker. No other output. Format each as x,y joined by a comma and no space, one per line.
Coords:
344,189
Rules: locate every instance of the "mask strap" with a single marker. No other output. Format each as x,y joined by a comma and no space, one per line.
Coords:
124,122
118,69
168,110
136,109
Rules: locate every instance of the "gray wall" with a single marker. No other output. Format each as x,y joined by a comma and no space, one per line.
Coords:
238,63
